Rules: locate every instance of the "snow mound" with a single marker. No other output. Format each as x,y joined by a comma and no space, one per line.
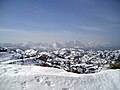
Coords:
17,77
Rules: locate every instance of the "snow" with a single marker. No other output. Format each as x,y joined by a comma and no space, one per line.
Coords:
17,77
30,52
4,56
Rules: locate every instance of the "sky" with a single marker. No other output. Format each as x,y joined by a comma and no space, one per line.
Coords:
60,20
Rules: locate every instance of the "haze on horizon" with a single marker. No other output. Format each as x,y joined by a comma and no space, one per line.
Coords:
60,20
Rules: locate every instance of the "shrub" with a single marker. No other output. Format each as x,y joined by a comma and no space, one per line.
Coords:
44,65
73,71
115,65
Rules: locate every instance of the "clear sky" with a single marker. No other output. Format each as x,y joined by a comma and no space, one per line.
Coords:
60,20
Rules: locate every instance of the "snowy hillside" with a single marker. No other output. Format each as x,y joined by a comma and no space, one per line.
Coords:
14,77
61,69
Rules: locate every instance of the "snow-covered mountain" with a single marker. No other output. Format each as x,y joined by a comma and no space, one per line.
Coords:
69,59
98,45
68,44
73,44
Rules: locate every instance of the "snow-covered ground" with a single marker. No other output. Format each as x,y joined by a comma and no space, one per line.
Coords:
18,77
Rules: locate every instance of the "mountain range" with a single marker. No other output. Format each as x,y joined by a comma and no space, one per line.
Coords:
93,45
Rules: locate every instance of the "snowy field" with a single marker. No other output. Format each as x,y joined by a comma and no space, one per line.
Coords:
17,77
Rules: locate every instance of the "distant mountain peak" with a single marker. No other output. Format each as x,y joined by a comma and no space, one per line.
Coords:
57,45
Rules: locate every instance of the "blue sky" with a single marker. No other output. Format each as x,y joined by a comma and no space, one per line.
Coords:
59,20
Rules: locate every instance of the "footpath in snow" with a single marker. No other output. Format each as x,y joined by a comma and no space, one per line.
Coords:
17,77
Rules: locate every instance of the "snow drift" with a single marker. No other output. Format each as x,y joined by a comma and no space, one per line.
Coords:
17,77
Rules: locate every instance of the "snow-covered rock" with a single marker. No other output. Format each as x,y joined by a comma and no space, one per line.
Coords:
30,52
19,51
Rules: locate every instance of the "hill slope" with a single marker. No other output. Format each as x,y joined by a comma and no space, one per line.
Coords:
17,77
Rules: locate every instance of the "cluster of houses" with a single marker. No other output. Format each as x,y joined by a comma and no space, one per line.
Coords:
69,59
